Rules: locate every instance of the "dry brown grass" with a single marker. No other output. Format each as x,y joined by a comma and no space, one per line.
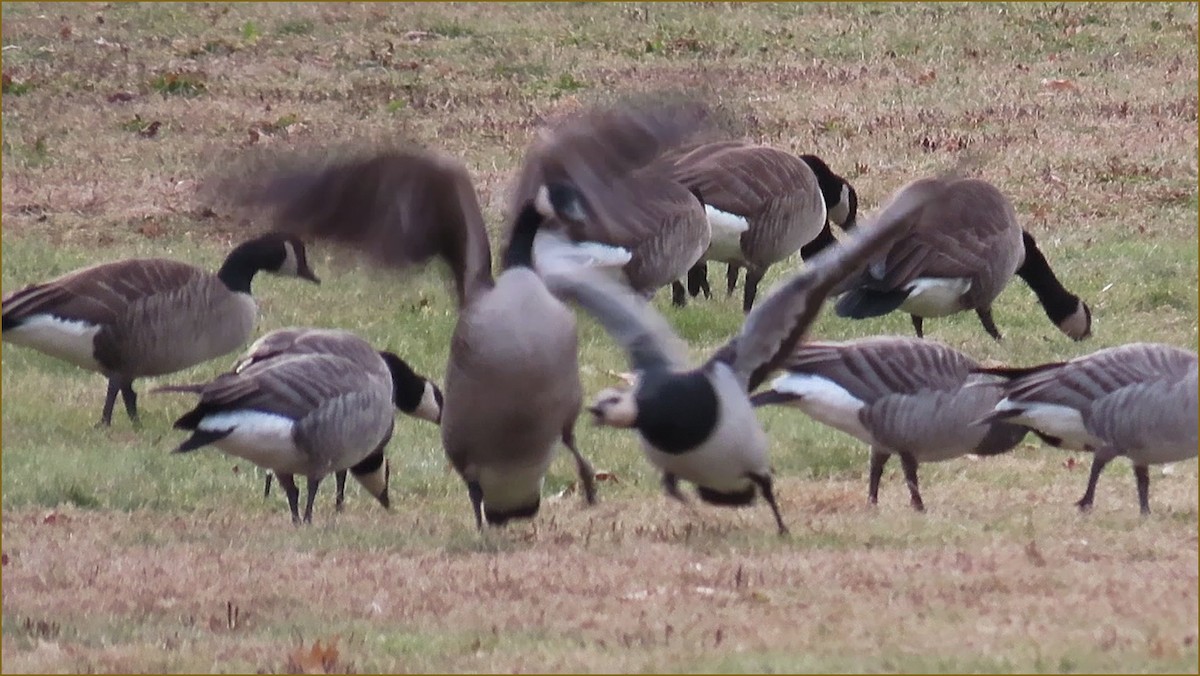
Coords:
117,558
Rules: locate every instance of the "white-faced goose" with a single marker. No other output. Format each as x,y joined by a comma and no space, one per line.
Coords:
698,424
764,204
961,260
413,394
148,317
512,388
1137,401
898,395
310,412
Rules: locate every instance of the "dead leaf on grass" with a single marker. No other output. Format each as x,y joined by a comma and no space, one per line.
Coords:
601,475
52,518
1059,85
121,97
1034,554
319,659
3,559
150,130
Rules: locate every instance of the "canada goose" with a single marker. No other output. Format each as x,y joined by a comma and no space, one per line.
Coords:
413,394
672,233
1136,400
308,413
512,386
899,395
764,204
962,259
148,317
698,424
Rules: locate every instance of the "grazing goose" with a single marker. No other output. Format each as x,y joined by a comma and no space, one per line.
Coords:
148,317
962,259
310,413
899,395
698,424
1136,400
671,234
764,204
414,394
512,388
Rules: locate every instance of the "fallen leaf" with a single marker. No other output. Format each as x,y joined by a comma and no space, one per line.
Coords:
121,97
65,32
319,659
152,230
1070,462
927,77
3,559
417,36
151,130
1059,85
1034,554
52,518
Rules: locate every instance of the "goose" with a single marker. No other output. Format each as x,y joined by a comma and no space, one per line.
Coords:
311,413
512,388
962,260
898,395
697,424
1137,401
674,233
414,394
763,204
148,317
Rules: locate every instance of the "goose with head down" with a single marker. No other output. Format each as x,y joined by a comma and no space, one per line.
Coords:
512,389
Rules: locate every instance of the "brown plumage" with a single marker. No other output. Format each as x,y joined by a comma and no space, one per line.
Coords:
148,317
965,253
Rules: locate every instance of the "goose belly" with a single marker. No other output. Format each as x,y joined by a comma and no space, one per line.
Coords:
512,487
935,297
726,242
1053,420
826,402
69,340
264,439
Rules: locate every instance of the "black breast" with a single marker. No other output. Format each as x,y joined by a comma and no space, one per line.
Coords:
676,412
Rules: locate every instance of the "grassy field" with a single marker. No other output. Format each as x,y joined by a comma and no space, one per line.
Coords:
120,557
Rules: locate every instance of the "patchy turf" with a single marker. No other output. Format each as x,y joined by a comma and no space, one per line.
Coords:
119,557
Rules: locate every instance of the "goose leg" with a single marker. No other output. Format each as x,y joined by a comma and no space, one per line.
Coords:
110,398
878,460
267,485
989,324
313,484
129,398
587,475
918,325
678,294
288,482
766,486
1142,474
340,479
670,484
731,275
1098,462
909,464
753,277
698,280
475,492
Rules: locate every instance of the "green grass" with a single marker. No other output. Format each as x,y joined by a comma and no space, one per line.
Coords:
121,556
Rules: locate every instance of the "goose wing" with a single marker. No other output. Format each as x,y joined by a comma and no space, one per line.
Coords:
775,327
873,368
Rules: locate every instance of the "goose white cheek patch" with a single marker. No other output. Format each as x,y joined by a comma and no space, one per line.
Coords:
839,212
66,339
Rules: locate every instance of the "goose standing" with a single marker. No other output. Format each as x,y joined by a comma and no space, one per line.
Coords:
764,204
413,394
698,424
900,396
512,388
312,413
961,260
148,317
1137,401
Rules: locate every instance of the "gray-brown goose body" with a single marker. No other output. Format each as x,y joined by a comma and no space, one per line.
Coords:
1138,401
512,389
414,394
669,235
697,424
903,396
764,204
148,317
967,253
311,412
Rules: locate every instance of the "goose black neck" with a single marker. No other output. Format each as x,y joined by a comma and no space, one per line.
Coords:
240,266
823,239
676,412
1054,297
408,387
520,243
